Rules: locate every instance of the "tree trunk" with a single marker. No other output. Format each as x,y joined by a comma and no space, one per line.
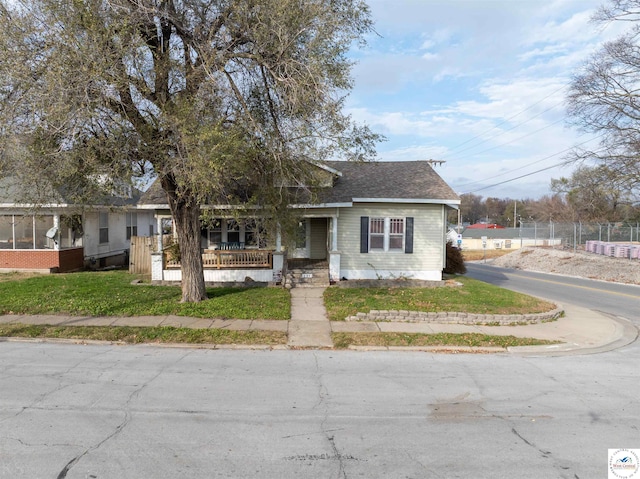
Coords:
186,215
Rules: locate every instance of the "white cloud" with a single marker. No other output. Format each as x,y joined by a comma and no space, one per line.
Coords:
480,84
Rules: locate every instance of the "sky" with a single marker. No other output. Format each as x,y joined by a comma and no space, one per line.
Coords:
479,84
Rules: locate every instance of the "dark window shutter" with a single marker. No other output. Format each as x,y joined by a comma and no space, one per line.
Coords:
364,234
408,236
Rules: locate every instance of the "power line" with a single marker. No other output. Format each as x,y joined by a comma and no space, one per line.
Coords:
535,162
506,121
562,163
514,140
565,162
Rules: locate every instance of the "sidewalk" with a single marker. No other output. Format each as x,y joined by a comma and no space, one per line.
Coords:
581,330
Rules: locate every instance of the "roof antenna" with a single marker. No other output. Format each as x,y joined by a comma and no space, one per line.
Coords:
436,162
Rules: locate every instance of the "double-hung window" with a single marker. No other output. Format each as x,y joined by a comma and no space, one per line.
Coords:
376,234
396,234
132,225
103,227
386,234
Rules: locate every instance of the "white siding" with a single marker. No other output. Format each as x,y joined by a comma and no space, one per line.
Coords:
426,261
146,223
118,242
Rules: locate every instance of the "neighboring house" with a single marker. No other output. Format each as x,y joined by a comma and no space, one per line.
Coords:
58,236
371,220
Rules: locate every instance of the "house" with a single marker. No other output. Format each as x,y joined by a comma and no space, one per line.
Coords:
59,236
370,220
484,226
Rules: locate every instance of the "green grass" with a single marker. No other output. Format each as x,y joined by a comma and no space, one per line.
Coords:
136,335
110,293
472,297
344,340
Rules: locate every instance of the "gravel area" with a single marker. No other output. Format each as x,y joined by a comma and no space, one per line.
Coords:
579,263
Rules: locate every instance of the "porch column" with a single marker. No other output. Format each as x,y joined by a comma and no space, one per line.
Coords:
334,254
278,239
157,266
160,232
278,265
334,233
56,224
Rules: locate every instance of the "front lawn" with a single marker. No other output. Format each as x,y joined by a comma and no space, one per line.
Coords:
110,293
472,297
137,335
344,340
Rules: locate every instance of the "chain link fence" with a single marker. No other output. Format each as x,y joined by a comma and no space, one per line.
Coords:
576,235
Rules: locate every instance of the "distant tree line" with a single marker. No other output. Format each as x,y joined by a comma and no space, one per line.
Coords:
589,195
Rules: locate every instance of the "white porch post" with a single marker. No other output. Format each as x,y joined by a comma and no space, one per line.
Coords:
157,266
334,254
56,224
334,233
278,239
160,232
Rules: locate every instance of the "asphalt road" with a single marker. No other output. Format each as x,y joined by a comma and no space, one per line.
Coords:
611,298
98,411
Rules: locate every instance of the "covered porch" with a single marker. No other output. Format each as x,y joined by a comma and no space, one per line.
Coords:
233,251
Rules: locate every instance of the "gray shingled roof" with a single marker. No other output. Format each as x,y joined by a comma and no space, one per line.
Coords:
11,193
387,179
154,195
377,180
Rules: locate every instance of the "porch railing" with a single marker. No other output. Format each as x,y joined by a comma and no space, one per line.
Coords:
232,259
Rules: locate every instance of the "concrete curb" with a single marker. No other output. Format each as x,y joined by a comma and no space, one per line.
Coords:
627,333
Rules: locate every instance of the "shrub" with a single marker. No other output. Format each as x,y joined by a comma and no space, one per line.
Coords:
455,260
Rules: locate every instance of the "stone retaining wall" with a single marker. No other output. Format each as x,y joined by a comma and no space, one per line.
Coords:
457,318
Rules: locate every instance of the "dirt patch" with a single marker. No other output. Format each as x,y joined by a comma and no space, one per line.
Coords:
577,263
17,276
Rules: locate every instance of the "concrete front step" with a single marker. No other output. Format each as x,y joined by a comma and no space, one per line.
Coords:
308,277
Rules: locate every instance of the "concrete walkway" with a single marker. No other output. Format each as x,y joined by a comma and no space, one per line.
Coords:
580,330
309,326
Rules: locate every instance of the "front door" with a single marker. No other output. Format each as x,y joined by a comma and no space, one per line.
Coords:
301,248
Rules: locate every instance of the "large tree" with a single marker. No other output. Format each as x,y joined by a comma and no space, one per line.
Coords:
596,194
604,96
219,99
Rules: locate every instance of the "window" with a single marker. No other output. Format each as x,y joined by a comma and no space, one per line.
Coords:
215,232
25,232
70,231
301,235
396,234
103,227
386,234
376,234
42,225
6,232
255,234
233,231
23,226
132,225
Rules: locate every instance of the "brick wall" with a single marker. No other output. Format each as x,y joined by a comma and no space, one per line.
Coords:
61,261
